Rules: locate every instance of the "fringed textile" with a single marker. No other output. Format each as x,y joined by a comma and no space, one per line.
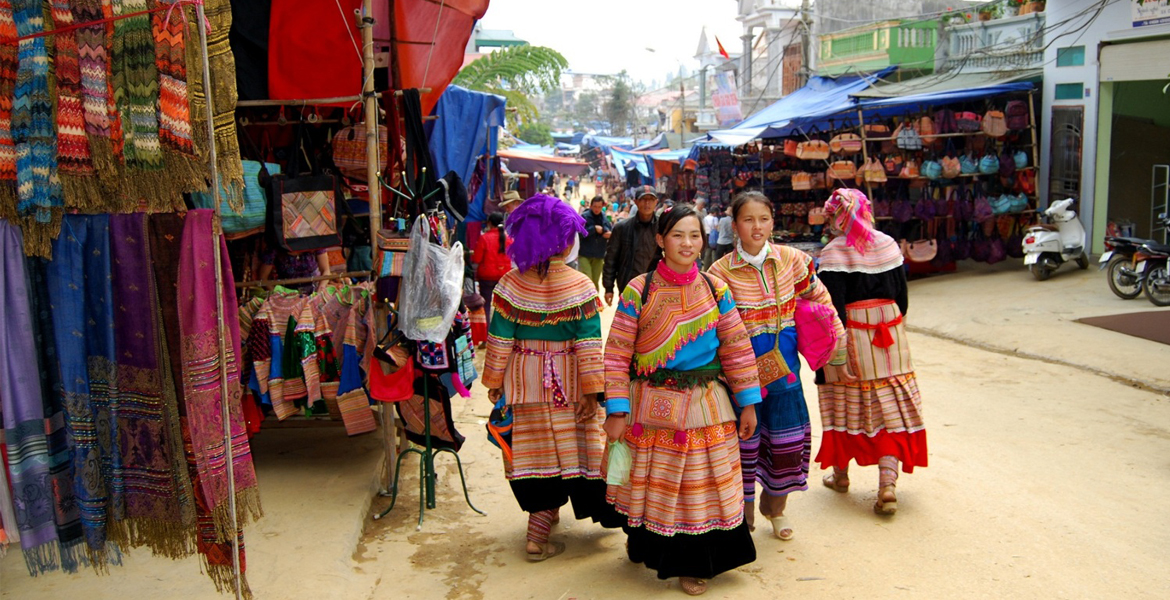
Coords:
223,80
9,63
201,375
23,412
527,299
74,160
38,185
83,331
154,498
70,536
103,124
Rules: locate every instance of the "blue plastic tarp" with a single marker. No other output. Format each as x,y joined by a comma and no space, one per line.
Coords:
819,98
919,102
462,134
606,142
658,143
622,159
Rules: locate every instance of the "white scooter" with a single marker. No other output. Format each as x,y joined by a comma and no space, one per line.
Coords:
1046,247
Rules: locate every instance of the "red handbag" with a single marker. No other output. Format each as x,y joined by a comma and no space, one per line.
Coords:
391,387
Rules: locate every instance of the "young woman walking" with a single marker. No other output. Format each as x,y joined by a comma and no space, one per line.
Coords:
676,359
766,280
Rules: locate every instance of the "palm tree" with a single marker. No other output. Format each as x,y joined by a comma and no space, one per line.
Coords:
515,73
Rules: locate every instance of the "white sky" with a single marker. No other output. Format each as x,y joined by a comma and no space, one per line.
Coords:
606,36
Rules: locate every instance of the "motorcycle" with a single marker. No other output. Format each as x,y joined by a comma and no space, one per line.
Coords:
1157,273
1122,273
1046,247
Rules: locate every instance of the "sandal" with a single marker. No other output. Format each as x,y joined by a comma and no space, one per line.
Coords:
886,507
831,482
693,586
779,528
550,550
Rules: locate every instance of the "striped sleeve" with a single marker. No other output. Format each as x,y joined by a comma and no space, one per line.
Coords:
501,337
619,349
735,350
590,362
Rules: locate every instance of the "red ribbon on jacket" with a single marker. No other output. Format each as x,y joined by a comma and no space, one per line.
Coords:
883,338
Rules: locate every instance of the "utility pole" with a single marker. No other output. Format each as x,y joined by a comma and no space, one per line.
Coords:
806,43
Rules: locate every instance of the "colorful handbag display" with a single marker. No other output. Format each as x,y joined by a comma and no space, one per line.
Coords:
813,150
841,170
907,138
920,251
251,219
302,209
931,169
802,181
969,122
989,164
790,148
994,124
390,257
951,167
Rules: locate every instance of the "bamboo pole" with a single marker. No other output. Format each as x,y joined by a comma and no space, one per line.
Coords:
217,232
864,153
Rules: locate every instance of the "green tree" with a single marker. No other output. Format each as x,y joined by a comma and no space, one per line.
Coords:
586,109
619,108
535,133
517,73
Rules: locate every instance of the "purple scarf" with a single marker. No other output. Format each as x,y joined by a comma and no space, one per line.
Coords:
23,409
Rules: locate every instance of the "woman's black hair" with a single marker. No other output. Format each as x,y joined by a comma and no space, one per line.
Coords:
743,198
496,220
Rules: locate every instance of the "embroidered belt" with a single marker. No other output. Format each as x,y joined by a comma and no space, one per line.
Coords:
883,338
675,379
551,379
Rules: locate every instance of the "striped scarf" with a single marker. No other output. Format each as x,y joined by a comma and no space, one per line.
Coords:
103,124
8,66
223,78
73,154
135,81
38,186
170,48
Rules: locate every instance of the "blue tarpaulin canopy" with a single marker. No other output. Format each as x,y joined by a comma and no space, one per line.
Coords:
464,131
658,143
819,98
606,142
621,159
918,102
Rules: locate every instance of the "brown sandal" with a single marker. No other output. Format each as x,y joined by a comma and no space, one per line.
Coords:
830,482
550,550
886,507
693,586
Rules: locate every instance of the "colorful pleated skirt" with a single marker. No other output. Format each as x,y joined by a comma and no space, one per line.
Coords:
775,459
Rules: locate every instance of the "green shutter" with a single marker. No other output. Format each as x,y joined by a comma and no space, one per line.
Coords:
1073,56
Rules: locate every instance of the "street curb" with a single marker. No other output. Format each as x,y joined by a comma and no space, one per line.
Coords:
1134,382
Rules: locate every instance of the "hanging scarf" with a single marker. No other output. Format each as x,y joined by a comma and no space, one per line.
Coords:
70,536
134,77
23,411
83,323
170,47
154,499
202,383
38,187
166,231
223,81
74,159
9,63
103,125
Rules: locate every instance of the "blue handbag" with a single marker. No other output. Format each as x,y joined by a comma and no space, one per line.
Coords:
967,165
1020,158
251,219
931,169
989,164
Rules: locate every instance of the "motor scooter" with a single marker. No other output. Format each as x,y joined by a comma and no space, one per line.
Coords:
1156,274
1125,263
1046,247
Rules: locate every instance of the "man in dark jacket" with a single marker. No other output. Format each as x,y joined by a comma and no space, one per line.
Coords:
593,245
633,245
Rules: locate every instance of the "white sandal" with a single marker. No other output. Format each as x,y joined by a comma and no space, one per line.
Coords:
779,526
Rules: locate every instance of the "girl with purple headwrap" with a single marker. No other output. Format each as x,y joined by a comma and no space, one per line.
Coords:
544,364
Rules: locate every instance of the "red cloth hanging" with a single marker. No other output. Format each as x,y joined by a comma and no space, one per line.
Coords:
314,49
415,22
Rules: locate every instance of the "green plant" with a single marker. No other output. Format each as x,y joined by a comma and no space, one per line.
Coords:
516,73
535,133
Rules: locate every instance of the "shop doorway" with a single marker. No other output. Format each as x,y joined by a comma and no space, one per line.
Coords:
1140,142
1064,180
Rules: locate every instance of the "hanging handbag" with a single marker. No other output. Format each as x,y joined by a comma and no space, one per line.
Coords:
393,386
968,165
907,138
1020,158
926,131
909,170
893,165
813,150
349,151
816,216
920,251
968,122
250,220
790,148
842,170
1026,182
944,121
875,171
989,164
994,124
931,170
390,258
499,427
845,143
818,181
951,168
801,181
1016,115
303,212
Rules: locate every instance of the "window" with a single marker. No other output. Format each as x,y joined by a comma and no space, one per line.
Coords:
1070,91
1073,56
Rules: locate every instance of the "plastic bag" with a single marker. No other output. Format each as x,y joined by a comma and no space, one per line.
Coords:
618,469
432,284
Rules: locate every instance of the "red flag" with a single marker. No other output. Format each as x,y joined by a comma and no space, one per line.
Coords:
721,50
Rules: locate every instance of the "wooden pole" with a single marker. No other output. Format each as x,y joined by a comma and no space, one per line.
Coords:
864,152
217,233
1035,144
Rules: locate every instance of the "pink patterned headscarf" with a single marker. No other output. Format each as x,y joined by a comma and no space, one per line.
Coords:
851,214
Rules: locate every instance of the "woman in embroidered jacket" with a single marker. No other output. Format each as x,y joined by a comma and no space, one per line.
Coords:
675,351
766,279
878,419
544,357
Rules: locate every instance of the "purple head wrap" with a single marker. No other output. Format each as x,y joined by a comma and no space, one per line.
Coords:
541,228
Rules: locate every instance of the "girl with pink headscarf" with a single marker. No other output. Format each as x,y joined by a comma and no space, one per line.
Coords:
870,409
